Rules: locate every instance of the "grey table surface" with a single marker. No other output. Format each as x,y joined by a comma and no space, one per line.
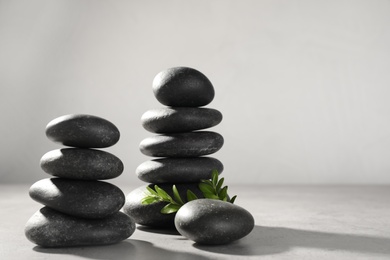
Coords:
292,222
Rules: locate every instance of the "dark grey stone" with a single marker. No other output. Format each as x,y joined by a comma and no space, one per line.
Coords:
191,144
213,222
150,215
183,87
180,119
178,170
83,164
86,199
50,228
84,131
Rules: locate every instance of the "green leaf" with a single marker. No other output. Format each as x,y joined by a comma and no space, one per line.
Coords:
177,195
170,208
233,199
191,196
162,193
151,191
206,188
219,184
149,200
209,195
214,177
223,193
208,182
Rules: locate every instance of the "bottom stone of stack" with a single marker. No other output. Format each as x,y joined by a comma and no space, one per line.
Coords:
50,228
150,215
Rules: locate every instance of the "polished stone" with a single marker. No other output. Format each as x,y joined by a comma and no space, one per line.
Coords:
213,222
86,199
183,87
83,164
83,131
191,144
50,228
180,119
178,170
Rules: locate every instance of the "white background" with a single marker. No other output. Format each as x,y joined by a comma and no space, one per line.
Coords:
303,85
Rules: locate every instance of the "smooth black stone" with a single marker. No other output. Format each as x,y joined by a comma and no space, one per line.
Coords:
180,119
82,164
213,222
183,87
86,199
83,131
178,170
150,215
191,144
50,228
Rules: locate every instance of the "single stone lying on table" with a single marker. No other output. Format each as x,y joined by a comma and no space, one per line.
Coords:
213,222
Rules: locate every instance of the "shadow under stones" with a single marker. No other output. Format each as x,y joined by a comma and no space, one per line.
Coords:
165,231
274,240
127,249
114,251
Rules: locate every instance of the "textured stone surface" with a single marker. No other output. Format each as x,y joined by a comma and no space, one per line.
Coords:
180,119
182,144
84,164
87,199
183,87
84,131
178,170
213,222
50,228
150,215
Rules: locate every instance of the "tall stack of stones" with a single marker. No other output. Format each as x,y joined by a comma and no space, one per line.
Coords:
181,148
79,208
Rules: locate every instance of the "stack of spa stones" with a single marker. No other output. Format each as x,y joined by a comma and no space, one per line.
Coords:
181,147
79,209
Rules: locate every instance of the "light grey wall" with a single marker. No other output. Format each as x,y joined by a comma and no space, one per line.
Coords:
303,85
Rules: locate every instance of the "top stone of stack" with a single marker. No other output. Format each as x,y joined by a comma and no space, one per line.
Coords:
183,87
82,131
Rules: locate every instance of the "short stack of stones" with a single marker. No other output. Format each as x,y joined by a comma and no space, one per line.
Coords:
80,209
180,146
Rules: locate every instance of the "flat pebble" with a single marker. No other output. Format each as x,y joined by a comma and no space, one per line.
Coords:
190,144
178,170
213,222
180,119
83,164
183,87
83,131
50,228
150,215
86,199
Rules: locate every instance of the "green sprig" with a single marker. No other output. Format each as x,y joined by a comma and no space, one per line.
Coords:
211,189
158,195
